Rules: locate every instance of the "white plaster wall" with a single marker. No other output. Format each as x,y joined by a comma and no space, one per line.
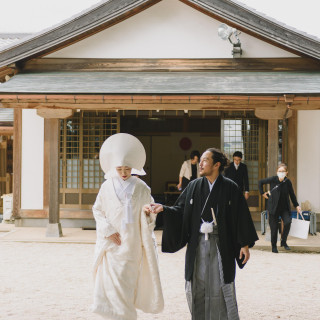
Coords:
169,29
32,160
308,175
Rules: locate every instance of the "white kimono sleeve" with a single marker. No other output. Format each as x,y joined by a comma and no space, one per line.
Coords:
103,226
151,219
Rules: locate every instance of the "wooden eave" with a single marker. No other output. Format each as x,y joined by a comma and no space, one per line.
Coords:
171,65
112,12
159,102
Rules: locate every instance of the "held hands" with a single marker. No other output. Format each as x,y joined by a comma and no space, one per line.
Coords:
246,253
147,209
115,238
246,195
152,208
299,209
157,207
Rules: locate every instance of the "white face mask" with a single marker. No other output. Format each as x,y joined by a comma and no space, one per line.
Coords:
281,175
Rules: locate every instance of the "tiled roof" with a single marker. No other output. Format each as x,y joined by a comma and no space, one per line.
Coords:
7,39
224,83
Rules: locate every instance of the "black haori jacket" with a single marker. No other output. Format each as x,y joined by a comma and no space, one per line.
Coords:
235,225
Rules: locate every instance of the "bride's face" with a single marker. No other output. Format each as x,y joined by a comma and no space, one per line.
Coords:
124,172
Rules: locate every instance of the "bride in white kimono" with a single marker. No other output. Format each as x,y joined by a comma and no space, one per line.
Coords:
126,273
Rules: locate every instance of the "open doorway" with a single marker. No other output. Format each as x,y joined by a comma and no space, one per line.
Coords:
169,137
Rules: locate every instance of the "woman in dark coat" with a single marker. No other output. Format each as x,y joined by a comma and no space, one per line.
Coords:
278,204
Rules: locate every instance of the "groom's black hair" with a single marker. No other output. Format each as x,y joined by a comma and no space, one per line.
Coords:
219,156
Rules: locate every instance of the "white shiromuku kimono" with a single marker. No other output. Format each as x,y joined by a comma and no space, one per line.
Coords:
126,276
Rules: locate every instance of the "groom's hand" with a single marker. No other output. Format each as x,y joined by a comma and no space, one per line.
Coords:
152,208
156,207
244,252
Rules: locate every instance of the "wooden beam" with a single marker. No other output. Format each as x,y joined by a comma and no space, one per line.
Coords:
155,102
55,113
292,148
6,131
76,214
33,214
64,214
214,105
267,114
196,65
139,98
273,147
52,143
6,72
17,144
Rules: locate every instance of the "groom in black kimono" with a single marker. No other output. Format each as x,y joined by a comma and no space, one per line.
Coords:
211,216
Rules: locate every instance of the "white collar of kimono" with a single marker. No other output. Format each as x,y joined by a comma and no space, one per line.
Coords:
124,190
211,184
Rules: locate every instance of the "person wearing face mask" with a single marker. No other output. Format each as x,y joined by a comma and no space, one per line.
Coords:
278,204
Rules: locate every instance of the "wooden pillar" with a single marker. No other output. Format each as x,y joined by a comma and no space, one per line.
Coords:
273,146
17,143
51,141
51,167
292,148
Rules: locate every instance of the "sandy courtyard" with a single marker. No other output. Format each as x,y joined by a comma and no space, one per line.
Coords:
53,281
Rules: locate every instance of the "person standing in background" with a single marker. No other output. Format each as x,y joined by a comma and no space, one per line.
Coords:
238,172
278,204
189,170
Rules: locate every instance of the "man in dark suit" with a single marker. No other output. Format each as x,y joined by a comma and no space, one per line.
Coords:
238,172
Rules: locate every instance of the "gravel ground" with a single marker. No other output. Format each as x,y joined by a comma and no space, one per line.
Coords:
54,281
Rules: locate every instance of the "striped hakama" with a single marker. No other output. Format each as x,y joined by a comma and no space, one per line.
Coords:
209,298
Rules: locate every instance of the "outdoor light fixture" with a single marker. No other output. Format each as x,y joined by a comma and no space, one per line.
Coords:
225,32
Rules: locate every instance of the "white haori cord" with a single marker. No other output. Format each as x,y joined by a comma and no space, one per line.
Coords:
207,227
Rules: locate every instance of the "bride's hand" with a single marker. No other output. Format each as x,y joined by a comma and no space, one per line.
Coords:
147,209
115,238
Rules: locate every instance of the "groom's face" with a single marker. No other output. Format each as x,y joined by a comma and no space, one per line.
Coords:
206,164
